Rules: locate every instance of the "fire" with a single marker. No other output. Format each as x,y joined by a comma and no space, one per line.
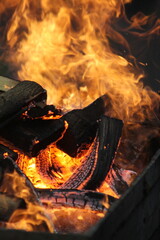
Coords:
50,169
65,46
33,217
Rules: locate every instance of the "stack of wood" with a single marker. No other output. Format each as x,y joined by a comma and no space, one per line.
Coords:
23,127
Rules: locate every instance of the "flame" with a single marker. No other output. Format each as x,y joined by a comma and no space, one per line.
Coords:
50,169
32,218
65,47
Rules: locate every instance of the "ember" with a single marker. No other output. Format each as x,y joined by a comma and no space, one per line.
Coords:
62,166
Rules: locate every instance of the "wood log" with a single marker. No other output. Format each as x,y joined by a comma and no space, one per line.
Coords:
8,204
84,199
110,131
96,164
38,111
82,127
16,100
30,136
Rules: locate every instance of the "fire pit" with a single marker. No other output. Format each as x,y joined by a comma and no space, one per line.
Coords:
86,167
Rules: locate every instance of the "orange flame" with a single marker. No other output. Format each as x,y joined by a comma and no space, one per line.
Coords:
32,218
65,47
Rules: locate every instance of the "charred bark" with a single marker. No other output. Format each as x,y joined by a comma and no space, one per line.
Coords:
110,131
16,100
82,174
57,198
82,127
30,136
8,204
96,164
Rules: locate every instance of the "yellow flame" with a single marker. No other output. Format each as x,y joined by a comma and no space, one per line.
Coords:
64,46
32,218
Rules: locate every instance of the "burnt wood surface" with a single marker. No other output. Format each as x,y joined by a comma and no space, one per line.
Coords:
16,100
82,127
8,204
81,175
110,130
30,136
96,163
74,198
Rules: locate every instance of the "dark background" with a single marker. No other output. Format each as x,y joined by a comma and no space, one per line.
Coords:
151,50
145,6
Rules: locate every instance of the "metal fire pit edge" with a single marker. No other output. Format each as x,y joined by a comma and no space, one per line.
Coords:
136,215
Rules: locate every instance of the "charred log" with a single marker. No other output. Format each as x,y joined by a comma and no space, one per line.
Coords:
30,136
96,163
54,198
82,174
16,100
40,111
110,131
8,204
82,127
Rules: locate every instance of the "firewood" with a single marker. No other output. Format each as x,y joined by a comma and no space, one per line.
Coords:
16,100
8,204
96,164
30,136
110,131
84,199
82,127
38,111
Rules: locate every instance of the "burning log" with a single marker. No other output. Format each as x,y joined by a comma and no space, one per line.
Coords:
16,100
31,136
38,111
97,162
13,182
82,127
8,204
83,199
110,130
